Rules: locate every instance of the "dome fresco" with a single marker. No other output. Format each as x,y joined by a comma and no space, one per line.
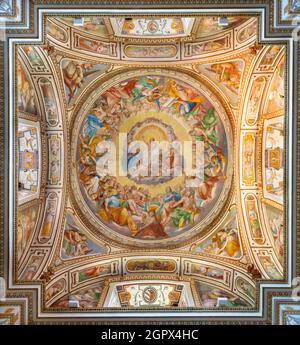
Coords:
152,109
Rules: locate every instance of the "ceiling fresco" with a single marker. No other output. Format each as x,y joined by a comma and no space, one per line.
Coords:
142,205
90,211
112,114
152,27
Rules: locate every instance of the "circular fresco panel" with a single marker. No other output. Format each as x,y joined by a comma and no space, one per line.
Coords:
150,203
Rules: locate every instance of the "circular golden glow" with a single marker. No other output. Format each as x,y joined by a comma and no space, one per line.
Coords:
146,208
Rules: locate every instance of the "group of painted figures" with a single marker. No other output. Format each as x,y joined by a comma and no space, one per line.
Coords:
132,207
